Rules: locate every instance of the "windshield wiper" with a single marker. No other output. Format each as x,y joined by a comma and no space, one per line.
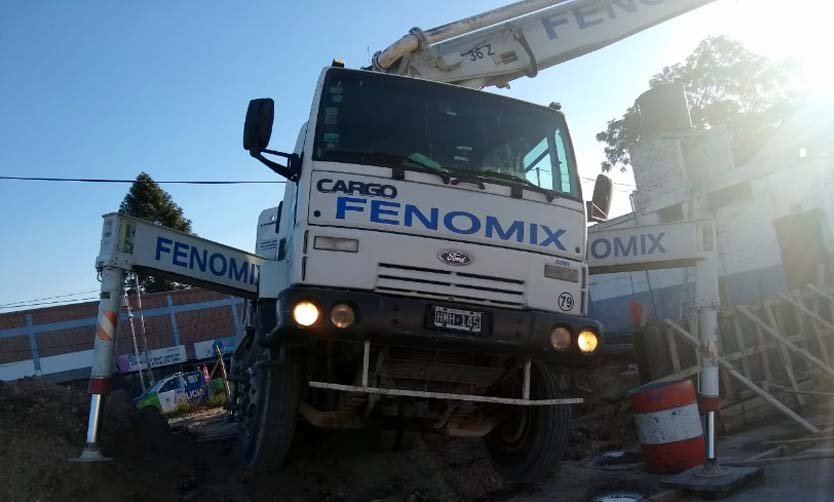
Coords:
398,163
517,180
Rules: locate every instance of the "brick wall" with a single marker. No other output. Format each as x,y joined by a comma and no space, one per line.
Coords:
71,328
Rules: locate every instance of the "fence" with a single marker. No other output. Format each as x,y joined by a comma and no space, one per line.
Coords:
775,356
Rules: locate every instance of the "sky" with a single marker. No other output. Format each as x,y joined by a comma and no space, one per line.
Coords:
109,89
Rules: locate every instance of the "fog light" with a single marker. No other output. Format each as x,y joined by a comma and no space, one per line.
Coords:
305,313
342,315
560,338
587,341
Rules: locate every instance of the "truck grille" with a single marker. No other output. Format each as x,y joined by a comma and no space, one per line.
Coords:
451,286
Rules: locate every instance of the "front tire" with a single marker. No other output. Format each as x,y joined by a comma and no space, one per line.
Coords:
269,408
527,447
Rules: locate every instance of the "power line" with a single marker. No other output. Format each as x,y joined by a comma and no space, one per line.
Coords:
164,182
11,304
56,302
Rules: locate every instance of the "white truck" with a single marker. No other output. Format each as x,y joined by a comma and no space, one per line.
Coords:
427,265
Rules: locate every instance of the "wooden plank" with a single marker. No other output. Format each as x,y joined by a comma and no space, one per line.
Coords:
816,321
763,355
779,337
783,352
673,350
820,292
744,380
745,364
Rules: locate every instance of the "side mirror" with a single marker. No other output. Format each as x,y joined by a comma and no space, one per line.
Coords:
256,133
597,208
258,126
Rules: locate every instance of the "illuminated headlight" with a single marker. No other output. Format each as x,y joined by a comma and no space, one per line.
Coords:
561,273
588,341
560,338
305,313
342,315
336,244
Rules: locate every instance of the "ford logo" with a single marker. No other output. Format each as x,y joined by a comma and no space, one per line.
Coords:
453,257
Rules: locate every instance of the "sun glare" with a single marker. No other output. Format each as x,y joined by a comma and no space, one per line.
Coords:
800,30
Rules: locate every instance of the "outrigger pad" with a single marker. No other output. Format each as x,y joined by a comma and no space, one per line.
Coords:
90,455
716,485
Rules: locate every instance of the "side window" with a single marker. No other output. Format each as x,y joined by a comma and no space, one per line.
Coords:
563,181
169,385
537,165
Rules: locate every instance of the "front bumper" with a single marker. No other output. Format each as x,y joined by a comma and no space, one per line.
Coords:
401,321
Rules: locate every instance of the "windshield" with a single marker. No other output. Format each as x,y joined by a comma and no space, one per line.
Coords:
370,118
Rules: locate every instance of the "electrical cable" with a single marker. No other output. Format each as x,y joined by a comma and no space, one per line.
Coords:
65,295
163,182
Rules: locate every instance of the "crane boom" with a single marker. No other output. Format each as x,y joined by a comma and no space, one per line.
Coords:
497,47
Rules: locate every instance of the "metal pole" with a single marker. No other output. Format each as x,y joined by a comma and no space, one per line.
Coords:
135,343
112,286
144,332
707,301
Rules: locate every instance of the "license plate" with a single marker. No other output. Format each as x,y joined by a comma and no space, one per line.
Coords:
457,320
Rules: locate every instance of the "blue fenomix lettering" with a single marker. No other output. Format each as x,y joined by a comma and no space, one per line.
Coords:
180,253
552,237
159,246
429,223
604,252
343,206
238,273
191,257
377,212
584,14
457,222
449,222
218,270
591,14
655,243
642,245
493,226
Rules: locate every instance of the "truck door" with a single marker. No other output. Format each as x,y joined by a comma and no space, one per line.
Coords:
195,388
168,395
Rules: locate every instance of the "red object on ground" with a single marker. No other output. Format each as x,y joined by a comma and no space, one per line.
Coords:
669,426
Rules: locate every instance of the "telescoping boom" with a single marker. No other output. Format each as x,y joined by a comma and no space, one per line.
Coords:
496,47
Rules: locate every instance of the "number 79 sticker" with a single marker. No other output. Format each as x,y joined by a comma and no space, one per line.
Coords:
566,301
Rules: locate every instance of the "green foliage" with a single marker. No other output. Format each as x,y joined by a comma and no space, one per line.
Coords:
725,84
147,200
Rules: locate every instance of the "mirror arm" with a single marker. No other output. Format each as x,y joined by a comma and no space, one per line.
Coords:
290,171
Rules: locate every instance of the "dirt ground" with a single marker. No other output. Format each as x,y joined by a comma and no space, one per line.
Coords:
196,459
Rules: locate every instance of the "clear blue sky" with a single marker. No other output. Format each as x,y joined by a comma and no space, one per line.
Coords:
107,89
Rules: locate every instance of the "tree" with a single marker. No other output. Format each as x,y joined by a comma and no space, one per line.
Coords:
725,84
148,201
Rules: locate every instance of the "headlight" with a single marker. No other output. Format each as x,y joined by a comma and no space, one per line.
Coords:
336,244
588,341
560,338
342,315
305,313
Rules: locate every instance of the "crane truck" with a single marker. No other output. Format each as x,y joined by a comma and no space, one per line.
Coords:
426,267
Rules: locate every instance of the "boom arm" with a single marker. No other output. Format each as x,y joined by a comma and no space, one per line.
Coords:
129,244
497,47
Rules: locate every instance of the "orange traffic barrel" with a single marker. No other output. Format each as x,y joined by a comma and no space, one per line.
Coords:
669,426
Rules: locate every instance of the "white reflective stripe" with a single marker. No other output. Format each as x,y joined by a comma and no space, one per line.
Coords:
668,426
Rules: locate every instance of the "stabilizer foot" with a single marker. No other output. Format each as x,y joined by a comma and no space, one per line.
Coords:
90,454
712,481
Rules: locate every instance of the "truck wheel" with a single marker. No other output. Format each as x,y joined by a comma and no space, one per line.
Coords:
268,411
527,447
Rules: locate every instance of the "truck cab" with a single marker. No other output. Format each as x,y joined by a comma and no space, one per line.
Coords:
426,265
